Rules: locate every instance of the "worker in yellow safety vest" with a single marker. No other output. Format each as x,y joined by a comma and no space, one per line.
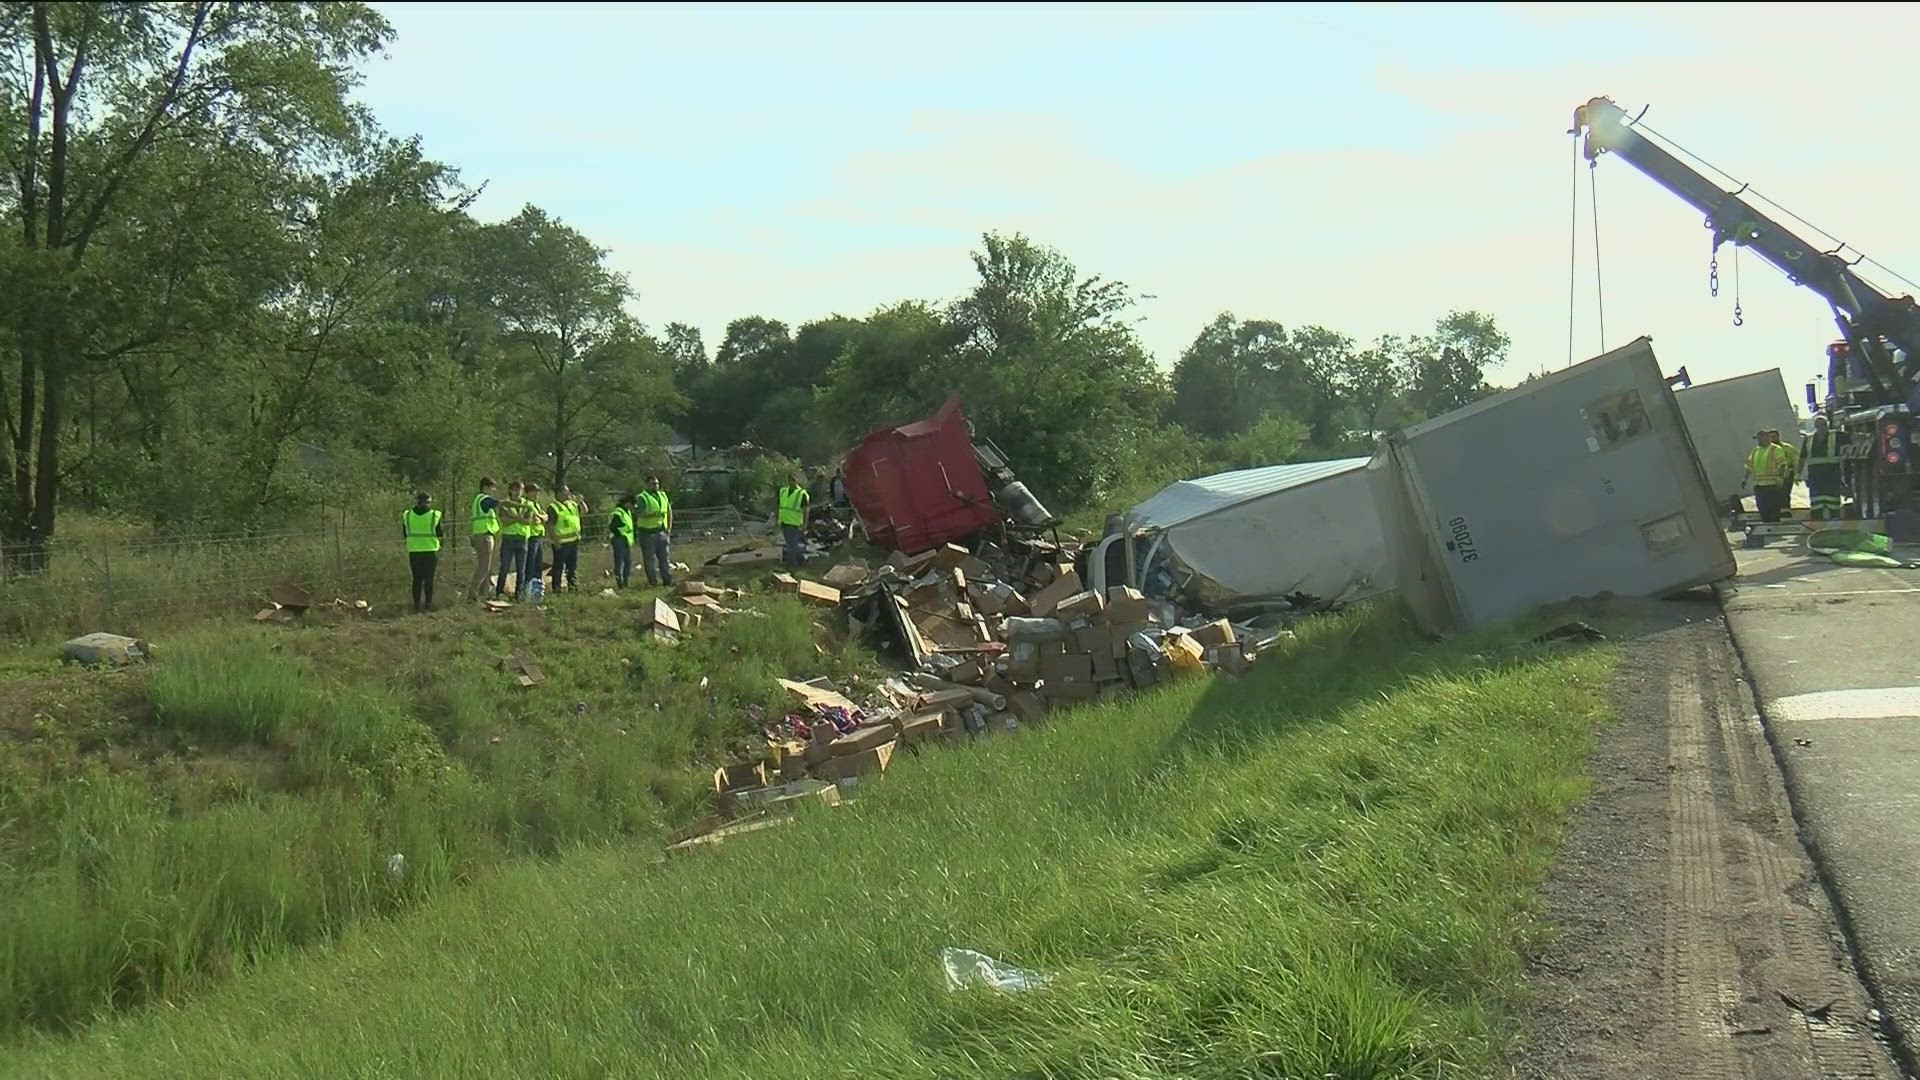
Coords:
513,540
536,531
420,528
1764,465
484,524
620,535
1824,469
563,532
793,501
653,524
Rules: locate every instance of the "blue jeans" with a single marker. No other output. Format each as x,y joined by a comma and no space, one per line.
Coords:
622,560
794,555
533,557
656,550
513,560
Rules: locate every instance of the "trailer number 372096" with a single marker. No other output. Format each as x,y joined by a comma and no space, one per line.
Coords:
1462,542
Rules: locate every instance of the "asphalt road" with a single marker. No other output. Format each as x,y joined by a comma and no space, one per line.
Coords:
1835,657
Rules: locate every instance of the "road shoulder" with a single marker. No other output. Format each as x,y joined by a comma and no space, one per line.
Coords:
1686,931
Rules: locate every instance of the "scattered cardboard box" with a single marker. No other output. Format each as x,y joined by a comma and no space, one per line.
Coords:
846,576
812,592
872,761
524,672
660,620
1042,603
1127,606
863,739
812,695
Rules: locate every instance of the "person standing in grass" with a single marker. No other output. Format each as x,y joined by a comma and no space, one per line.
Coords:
793,520
620,535
536,532
654,524
420,528
563,530
513,540
484,519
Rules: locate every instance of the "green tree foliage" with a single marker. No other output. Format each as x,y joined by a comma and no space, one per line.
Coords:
126,130
1448,369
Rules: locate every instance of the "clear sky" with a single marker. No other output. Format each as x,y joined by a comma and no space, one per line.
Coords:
1361,167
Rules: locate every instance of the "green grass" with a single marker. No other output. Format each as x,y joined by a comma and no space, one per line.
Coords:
1322,870
163,828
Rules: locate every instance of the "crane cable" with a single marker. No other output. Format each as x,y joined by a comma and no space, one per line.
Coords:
1599,289
1573,250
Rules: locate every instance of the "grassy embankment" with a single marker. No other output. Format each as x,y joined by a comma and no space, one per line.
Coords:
1323,869
163,826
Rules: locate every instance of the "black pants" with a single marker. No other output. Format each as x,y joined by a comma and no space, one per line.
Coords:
1769,500
566,557
423,564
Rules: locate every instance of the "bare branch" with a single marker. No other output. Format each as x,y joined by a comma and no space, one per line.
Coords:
117,172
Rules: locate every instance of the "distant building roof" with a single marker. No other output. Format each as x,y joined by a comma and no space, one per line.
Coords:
1190,499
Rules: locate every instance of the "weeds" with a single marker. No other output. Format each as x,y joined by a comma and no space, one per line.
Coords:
1324,869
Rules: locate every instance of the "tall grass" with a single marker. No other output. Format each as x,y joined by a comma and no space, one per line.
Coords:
234,692
285,766
1322,870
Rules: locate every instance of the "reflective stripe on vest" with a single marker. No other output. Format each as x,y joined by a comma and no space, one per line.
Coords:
622,523
485,523
793,504
566,523
423,530
653,510
1816,454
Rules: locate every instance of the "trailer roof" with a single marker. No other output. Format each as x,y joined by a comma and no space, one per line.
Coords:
1189,499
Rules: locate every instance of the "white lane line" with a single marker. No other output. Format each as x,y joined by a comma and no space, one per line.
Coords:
1836,592
1848,704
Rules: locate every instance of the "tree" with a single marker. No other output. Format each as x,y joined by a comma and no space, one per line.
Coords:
108,90
1371,379
1323,355
1233,374
1447,371
597,378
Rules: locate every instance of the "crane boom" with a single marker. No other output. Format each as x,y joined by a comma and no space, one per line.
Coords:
1881,330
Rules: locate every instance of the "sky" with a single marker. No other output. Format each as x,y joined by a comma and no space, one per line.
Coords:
1362,167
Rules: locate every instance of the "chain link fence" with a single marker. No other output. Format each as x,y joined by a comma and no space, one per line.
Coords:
138,586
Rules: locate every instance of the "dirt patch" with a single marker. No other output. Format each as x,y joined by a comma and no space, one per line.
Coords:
1688,935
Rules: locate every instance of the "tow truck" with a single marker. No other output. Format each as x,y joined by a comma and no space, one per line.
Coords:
1871,370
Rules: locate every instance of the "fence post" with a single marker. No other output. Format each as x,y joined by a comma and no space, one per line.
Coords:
106,570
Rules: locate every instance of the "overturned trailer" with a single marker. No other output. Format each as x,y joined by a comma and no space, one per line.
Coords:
1582,483
1722,417
1305,533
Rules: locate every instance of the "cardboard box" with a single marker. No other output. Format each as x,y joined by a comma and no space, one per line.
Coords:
734,777
1070,668
1081,605
1068,694
863,739
1126,605
846,576
1123,637
1046,600
816,693
872,761
1094,640
659,619
925,727
1105,669
943,699
756,557
1186,655
1027,705
801,792
1215,633
812,592
786,583
1232,659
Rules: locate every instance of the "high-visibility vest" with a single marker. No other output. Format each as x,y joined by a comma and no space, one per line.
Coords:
622,523
516,528
485,522
423,530
654,507
793,505
1786,462
1821,448
1763,463
566,522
